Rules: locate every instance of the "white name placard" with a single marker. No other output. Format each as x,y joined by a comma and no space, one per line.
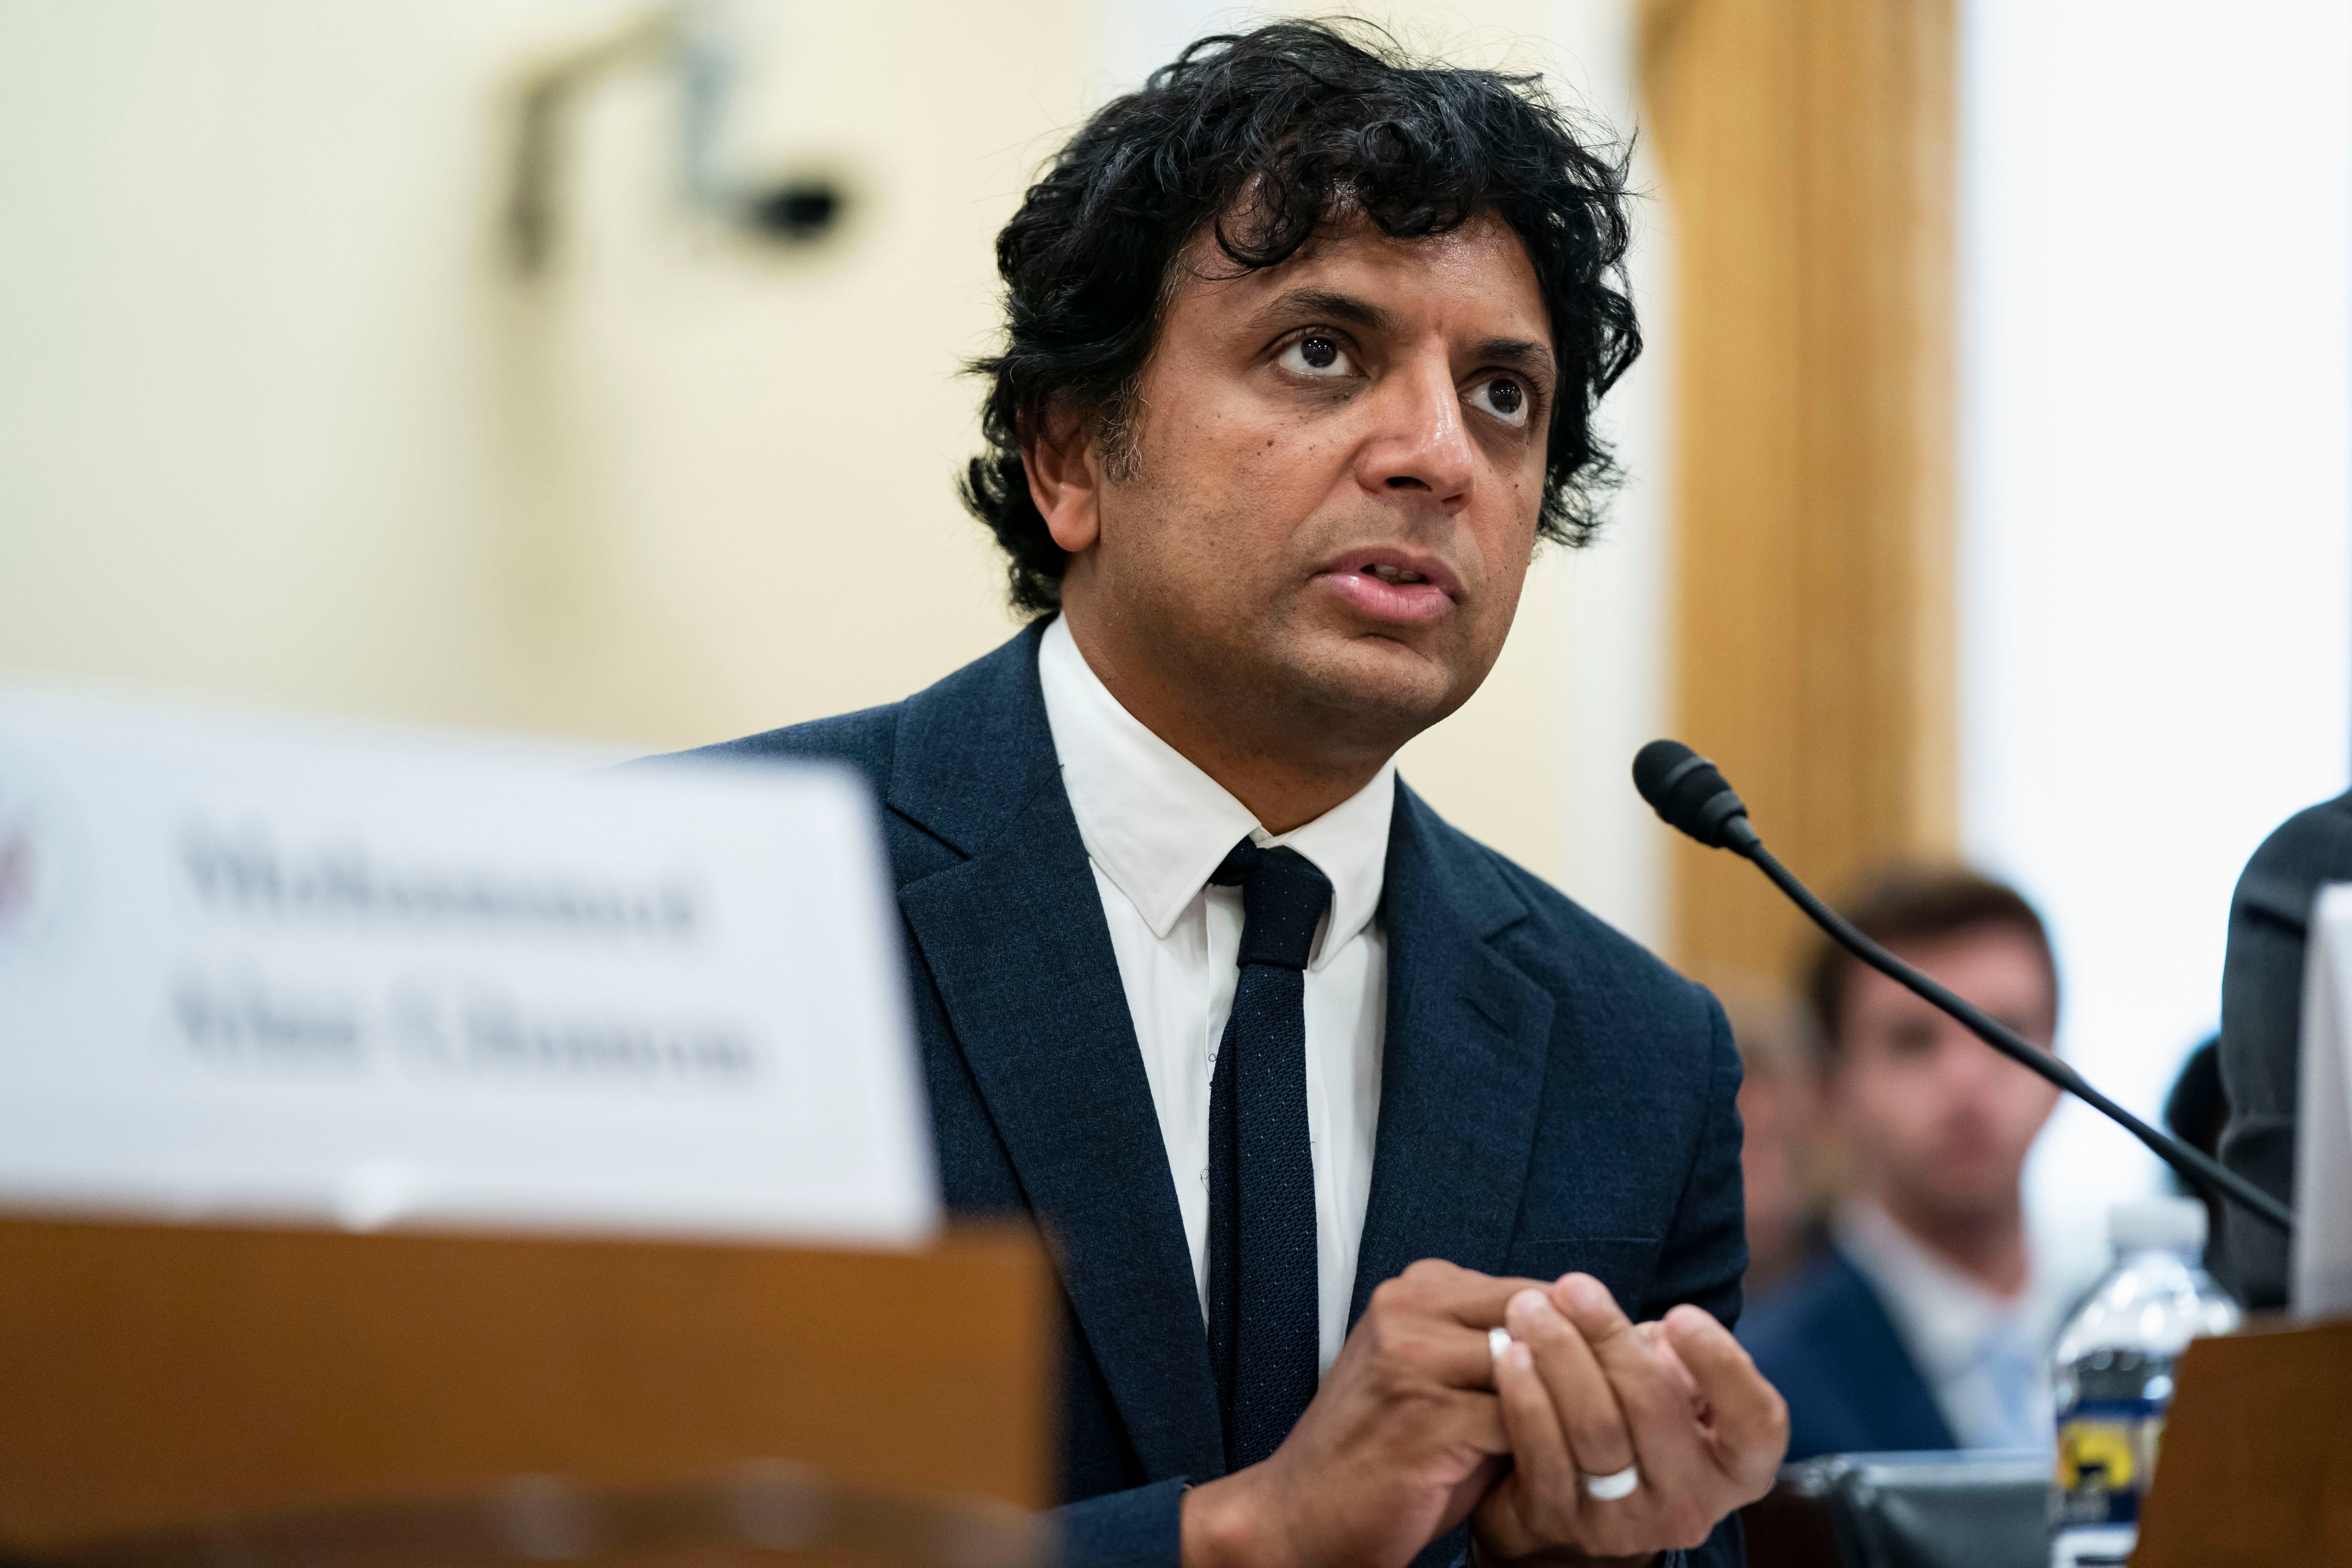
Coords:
256,969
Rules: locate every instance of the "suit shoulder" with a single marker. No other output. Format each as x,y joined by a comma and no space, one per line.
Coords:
2313,847
1600,951
863,740
2315,841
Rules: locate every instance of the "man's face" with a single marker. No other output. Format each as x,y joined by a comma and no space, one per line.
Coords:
1338,465
1937,1121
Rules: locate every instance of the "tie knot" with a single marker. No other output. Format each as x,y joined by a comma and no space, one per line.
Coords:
1282,897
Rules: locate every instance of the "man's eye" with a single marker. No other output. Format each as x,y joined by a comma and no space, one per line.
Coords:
1314,354
1912,1039
1504,397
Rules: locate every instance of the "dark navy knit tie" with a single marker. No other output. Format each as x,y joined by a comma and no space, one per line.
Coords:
1263,1321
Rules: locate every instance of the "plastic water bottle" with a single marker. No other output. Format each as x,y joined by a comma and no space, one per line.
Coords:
2112,1375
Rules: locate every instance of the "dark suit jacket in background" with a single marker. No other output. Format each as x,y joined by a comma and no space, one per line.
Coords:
1826,1341
2262,1017
1552,1097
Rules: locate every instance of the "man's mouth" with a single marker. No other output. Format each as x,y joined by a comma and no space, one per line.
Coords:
1379,586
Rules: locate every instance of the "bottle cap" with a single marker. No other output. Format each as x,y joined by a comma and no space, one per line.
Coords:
2157,1224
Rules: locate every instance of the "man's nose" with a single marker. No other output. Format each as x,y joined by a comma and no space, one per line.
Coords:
1420,445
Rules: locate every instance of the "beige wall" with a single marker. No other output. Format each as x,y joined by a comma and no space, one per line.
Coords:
292,432
277,424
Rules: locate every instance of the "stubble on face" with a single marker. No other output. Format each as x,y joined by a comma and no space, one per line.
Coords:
1230,623
1345,404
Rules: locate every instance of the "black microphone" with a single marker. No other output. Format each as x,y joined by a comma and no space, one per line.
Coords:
1694,797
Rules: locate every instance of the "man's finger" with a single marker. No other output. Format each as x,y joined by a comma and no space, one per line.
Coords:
1752,1419
1586,1302
1590,1415
1653,1334
1458,1357
1545,1497
1474,1300
1440,1316
1475,1421
1665,1430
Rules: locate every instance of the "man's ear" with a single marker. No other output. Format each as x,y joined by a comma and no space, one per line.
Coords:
1064,480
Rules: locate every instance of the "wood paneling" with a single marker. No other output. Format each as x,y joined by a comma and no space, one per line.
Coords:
1809,156
154,1376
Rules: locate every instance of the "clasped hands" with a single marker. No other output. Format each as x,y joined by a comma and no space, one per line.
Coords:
1421,1424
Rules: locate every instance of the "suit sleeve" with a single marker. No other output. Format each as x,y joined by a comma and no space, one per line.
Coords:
1705,1250
1139,1527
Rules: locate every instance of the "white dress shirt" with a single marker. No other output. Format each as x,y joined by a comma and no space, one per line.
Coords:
1984,1357
1155,826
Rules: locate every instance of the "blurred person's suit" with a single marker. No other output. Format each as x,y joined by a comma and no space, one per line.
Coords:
1826,1340
1552,1098
1879,1346
2262,1019
1926,1325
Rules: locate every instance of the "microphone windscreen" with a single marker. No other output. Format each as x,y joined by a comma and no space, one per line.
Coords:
1653,764
1687,790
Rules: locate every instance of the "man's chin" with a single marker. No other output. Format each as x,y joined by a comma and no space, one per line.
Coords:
1379,684
1973,1198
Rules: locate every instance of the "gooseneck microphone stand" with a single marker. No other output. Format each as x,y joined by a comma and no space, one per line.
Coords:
1694,798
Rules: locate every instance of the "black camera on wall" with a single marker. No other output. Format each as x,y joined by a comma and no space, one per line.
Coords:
798,210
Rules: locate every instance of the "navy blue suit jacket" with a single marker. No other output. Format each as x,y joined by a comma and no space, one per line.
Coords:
1553,1098
1824,1340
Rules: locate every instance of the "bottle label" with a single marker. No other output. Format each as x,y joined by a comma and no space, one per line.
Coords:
2106,1452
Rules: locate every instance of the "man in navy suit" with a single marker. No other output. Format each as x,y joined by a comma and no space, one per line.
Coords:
1927,1324
1361,1150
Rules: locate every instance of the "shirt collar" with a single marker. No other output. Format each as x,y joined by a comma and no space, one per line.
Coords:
1157,825
1945,1316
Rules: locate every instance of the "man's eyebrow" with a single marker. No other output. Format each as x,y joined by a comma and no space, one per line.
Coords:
1523,354
1328,305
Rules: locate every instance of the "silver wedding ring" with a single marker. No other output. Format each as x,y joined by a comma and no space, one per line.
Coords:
1609,1489
1600,1489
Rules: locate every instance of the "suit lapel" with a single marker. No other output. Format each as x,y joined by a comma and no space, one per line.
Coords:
1462,1070
1015,939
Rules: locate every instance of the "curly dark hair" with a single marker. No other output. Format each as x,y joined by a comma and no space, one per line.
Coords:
1313,122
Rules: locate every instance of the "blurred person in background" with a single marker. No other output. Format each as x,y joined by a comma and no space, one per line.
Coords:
2262,1027
1926,1324
1782,1165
